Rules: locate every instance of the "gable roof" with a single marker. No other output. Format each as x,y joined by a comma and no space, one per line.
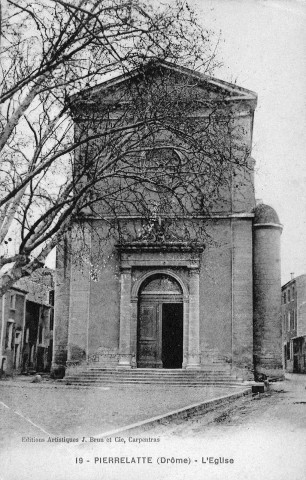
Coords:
232,91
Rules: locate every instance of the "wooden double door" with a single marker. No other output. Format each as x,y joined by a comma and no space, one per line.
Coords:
160,332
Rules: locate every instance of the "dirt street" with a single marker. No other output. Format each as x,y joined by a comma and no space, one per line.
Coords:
260,437
282,408
265,435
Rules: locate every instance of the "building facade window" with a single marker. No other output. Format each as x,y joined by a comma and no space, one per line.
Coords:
41,334
284,297
51,298
9,343
51,319
12,301
292,320
289,295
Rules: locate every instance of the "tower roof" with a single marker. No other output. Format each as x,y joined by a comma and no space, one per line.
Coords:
265,214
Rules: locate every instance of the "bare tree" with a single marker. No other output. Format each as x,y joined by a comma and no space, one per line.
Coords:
151,155
53,174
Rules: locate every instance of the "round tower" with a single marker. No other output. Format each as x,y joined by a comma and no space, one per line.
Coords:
267,328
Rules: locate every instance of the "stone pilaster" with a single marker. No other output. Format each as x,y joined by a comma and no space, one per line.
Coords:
185,330
79,308
134,323
194,321
242,298
61,308
125,320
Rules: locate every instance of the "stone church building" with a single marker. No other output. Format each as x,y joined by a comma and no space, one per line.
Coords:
161,304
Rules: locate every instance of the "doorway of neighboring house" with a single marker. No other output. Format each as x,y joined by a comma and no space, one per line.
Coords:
40,359
17,349
31,337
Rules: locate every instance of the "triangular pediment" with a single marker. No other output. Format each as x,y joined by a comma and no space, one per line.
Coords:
201,85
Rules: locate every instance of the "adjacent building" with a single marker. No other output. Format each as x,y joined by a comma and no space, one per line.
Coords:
26,325
294,324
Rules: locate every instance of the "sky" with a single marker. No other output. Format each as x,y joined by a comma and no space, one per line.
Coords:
263,48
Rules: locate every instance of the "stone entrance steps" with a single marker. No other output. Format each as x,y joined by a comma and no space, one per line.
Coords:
105,376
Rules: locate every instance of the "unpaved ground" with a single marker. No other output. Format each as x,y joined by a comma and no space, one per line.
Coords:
264,437
281,408
60,410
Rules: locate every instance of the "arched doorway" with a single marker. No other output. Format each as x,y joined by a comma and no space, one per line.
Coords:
160,323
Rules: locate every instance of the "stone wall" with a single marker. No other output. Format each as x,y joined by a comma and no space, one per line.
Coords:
224,305
226,297
301,305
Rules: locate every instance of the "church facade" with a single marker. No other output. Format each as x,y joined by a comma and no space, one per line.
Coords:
160,302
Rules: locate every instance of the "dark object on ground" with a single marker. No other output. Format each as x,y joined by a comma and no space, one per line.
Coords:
261,387
258,388
58,373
